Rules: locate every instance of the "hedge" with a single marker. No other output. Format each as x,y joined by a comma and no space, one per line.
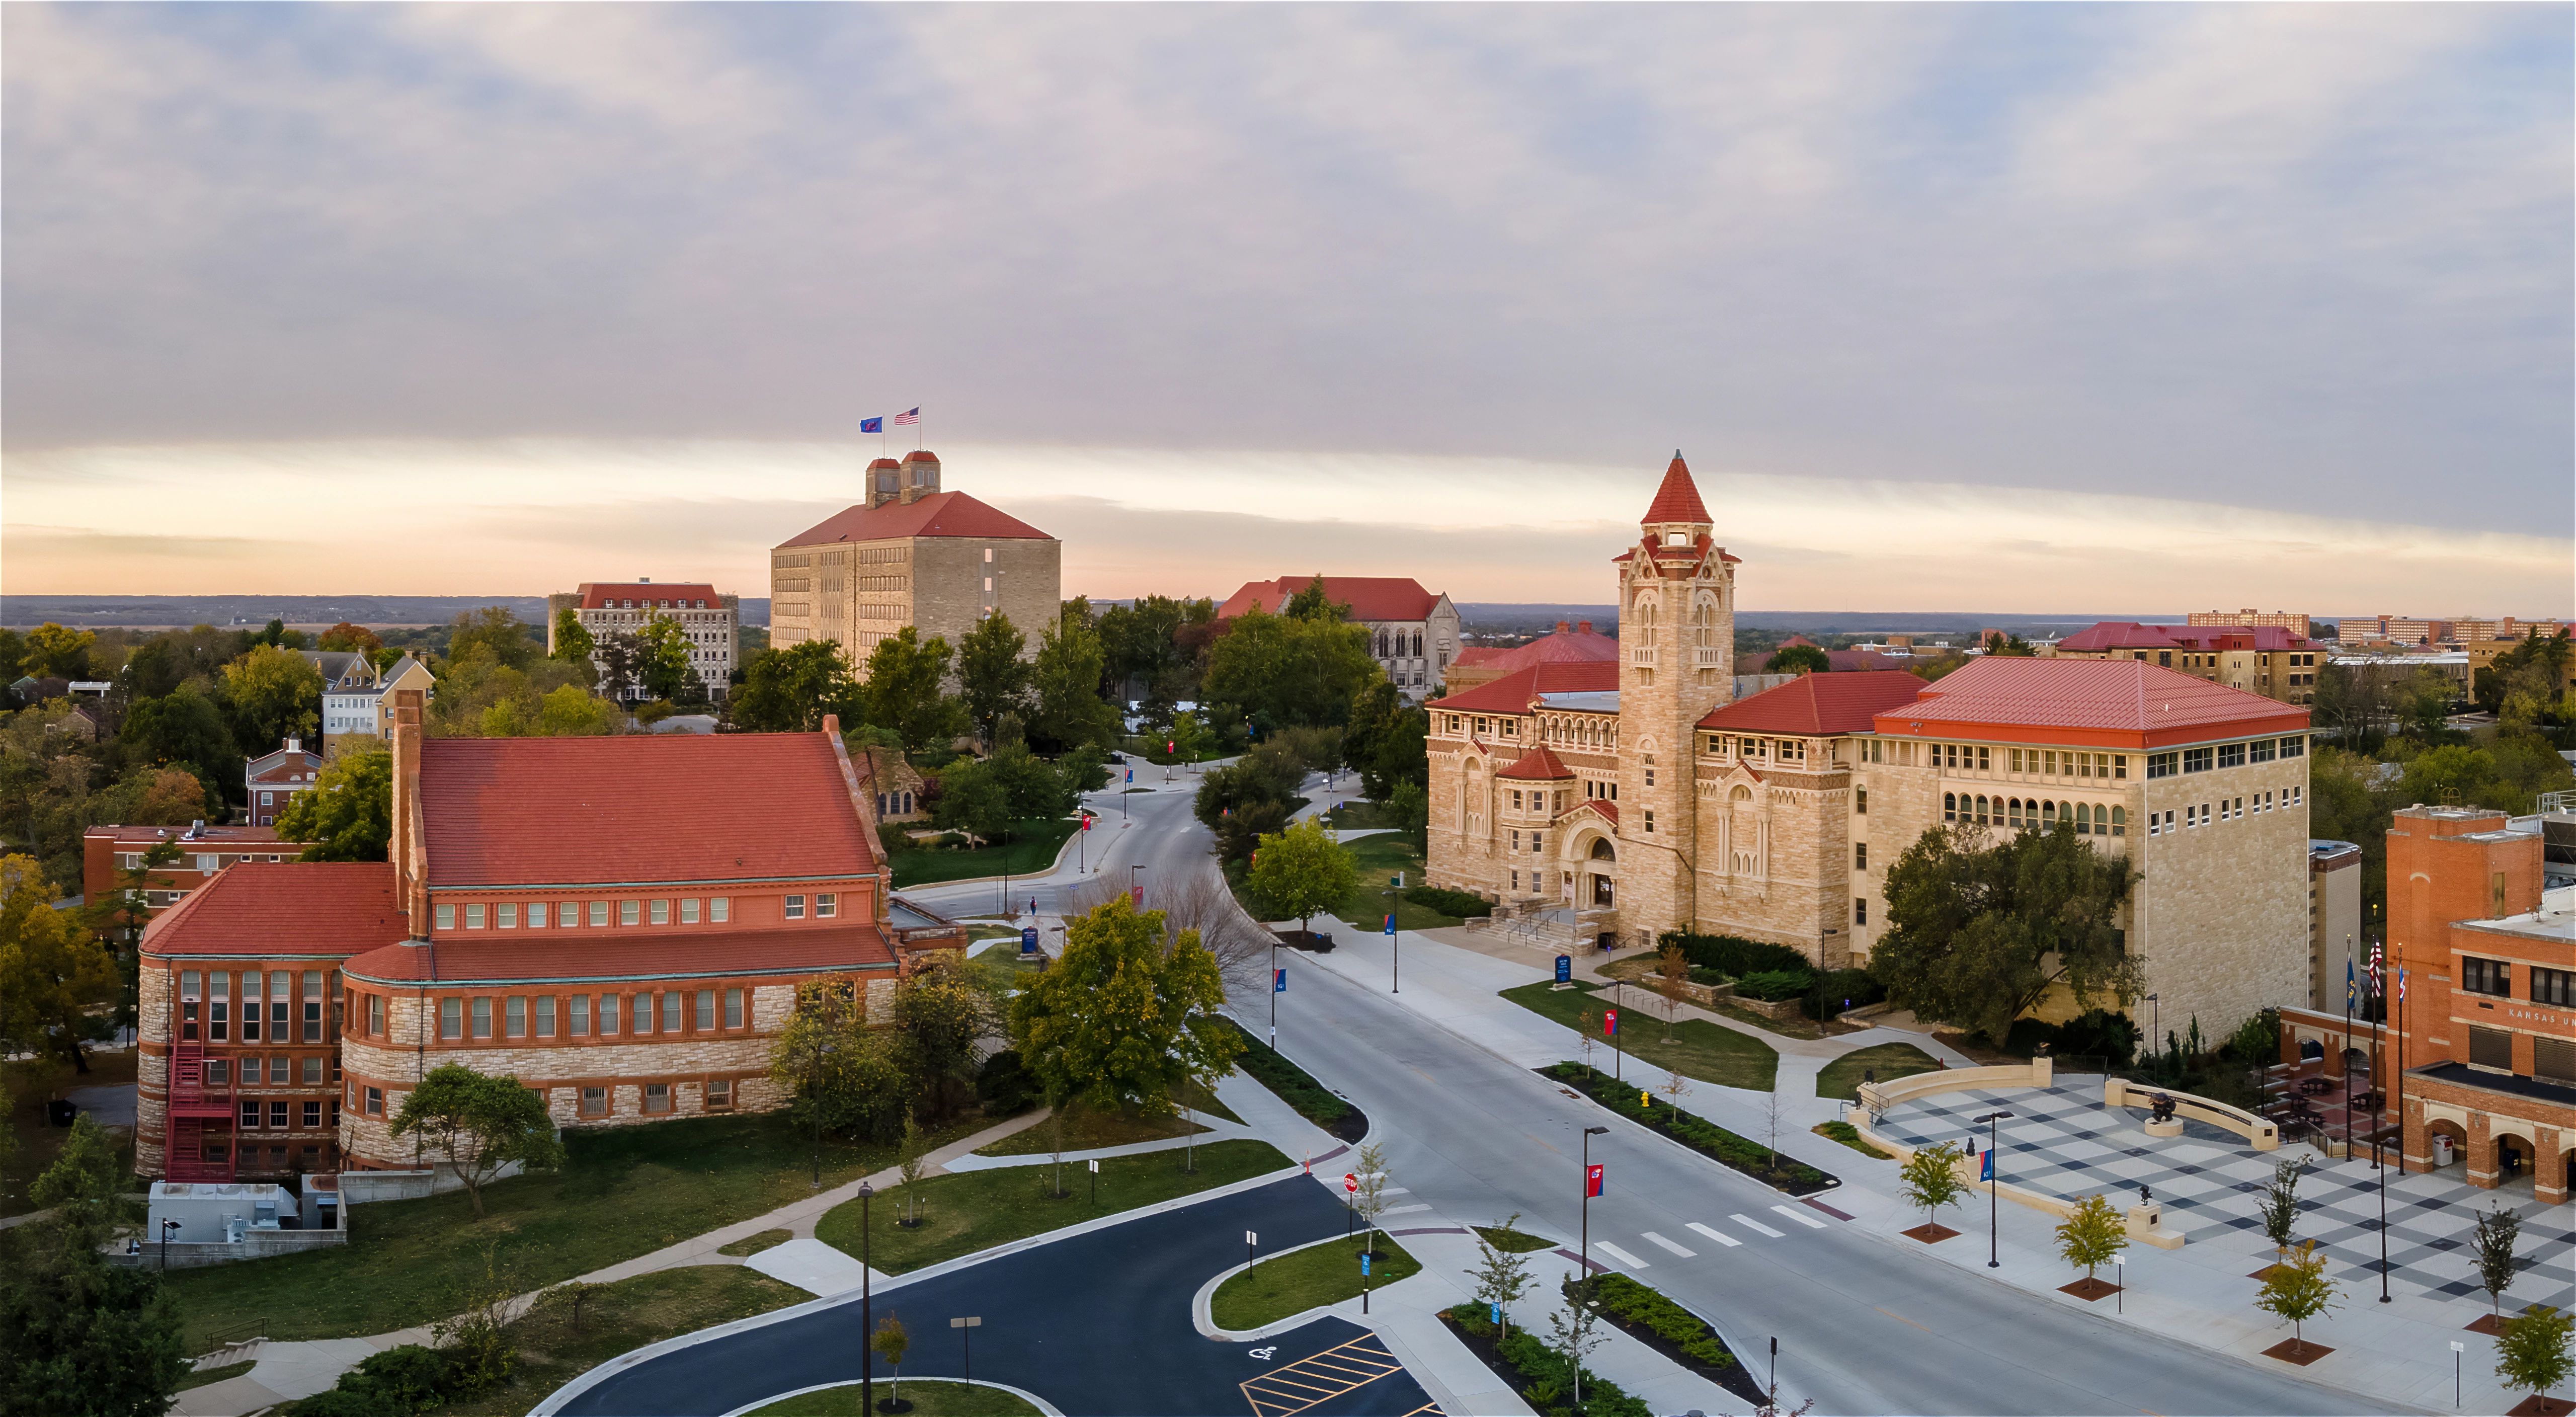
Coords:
1466,905
1835,990
1774,986
1733,955
1541,1375
1698,1133
1670,1321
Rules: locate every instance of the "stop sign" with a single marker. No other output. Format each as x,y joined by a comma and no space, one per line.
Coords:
1351,1181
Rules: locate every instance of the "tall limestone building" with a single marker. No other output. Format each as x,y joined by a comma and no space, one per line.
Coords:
1626,798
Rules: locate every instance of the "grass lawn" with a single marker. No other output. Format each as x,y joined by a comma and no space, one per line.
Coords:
625,1192
1699,1049
975,1210
1514,1241
754,1244
1379,858
1360,816
1304,1279
30,1082
1841,1077
1031,850
632,1313
202,1376
1086,1130
929,1398
1849,1136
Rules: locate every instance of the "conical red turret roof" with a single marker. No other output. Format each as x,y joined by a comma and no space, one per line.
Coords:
1678,499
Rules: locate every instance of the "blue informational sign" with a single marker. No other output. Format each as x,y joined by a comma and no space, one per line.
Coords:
1498,1314
1565,969
1364,1259
1028,939
1279,981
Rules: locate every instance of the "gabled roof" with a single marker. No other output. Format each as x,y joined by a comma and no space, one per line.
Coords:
285,764
1538,765
2129,634
939,514
1516,691
638,808
206,838
677,595
1561,647
1678,499
283,909
1818,704
1369,597
666,954
2113,702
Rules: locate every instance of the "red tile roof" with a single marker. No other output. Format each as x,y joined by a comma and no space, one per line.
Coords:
2129,634
921,455
2111,702
1561,647
1537,765
1516,691
646,807
599,595
211,839
680,954
1369,597
283,909
939,514
1818,703
1678,499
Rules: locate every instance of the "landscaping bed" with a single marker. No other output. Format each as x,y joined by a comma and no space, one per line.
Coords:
1699,1049
1849,1136
1513,1241
1644,1314
1297,1087
1698,1133
1537,1372
1841,1077
924,1397
1306,1279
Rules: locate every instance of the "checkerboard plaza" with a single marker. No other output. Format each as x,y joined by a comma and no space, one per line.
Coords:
1637,795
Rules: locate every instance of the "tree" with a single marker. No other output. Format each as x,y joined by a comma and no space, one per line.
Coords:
840,1075
1067,710
52,650
890,1342
1501,1276
1800,659
1930,1179
571,1295
1303,872
2091,1235
620,657
992,678
1410,806
483,1123
1978,933
902,691
53,975
347,814
2531,1350
1370,1199
2498,1229
573,643
572,712
86,1184
2001,645
940,1018
276,694
1587,1023
789,690
349,638
909,1166
2297,1290
1672,980
974,799
662,661
2280,1207
490,635
81,1338
184,729
1574,1330
1283,670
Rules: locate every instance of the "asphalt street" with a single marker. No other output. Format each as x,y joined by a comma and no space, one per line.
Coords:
1098,1324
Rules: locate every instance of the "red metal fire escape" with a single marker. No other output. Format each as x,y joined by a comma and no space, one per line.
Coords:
194,1105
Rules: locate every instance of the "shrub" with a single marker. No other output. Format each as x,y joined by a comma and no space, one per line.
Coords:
1835,990
1463,904
397,1382
1701,1135
1004,1086
1772,986
1292,1083
1546,1379
2096,1034
1733,955
1669,1321
893,837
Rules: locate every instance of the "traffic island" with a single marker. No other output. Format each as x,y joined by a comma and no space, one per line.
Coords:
922,1397
1646,1315
1739,1153
1540,1374
1288,1284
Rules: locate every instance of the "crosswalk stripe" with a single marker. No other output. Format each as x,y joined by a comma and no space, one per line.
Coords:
1719,1236
1404,1209
1396,1191
1669,1245
1622,1256
1801,1217
1756,1226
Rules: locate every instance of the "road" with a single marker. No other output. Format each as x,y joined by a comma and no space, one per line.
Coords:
1165,840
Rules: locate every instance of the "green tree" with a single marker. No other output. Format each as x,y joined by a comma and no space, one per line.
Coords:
891,1342
662,663
973,799
1067,710
1284,670
1311,602
52,650
347,815
841,1076
482,1123
2280,1204
275,694
1502,1276
86,1184
1978,933
903,689
349,638
573,643
1930,1179
1410,806
53,975
13,655
2297,1290
2531,1350
2498,1230
1800,659
789,690
992,678
490,635
2008,646
941,1018
79,1338
1303,871
184,729
2090,1235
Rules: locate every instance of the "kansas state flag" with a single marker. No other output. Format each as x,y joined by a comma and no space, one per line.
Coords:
872,425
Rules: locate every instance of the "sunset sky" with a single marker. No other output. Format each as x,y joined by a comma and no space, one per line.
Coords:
2023,308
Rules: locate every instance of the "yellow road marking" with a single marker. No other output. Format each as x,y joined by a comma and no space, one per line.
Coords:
1343,1368
1900,1318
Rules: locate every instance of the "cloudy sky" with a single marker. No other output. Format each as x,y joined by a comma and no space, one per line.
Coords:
2044,308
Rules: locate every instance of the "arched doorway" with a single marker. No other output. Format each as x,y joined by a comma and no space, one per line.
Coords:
2512,1158
1600,866
2455,1153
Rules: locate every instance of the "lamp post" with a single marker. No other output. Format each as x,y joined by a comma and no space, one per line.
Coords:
2156,1035
166,1227
1394,942
867,1305
1588,1134
1993,1123
1274,993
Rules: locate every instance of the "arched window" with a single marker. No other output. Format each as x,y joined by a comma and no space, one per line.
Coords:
1417,644
1949,806
2119,821
1646,619
1981,809
2084,818
1601,850
1741,793
2012,812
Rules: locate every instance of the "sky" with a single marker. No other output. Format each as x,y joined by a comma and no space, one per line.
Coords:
2014,308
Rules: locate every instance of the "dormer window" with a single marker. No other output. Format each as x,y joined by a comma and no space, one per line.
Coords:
1677,538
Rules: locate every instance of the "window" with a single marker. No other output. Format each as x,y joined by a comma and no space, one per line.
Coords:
313,1006
720,1094
657,1098
1860,801
1860,910
218,1009
536,915
505,916
2231,755
594,1102
313,1070
375,1102
689,912
2119,821
446,916
254,1069
2554,1059
826,906
1949,806
607,1015
2552,986
2293,747
277,1115
482,1015
1985,760
661,912
2084,818
2197,759
670,1011
598,913
376,1015
639,1013
706,1009
312,1114
545,1016
2119,765
473,917
719,910
2261,750
733,1008
630,912
2162,764
796,907
250,1115
515,1015
2490,1048
280,985
1650,821
2486,976
577,1016
451,1017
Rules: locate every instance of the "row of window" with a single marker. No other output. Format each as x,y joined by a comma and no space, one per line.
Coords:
654,1099
274,1070
1778,750
567,915
208,862
282,1116
2225,809
271,1005
2087,818
481,1017
2224,755
1537,801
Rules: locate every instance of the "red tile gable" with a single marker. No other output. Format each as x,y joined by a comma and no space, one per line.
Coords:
602,595
2116,702
283,909
1378,598
1516,691
1818,704
1538,765
939,514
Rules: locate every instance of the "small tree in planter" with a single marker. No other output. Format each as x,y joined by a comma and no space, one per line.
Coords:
1930,1178
1672,980
2090,1237
2280,1208
2498,1230
1370,1199
2297,1290
1676,1087
1587,1022
910,1168
2531,1352
890,1342
1502,1277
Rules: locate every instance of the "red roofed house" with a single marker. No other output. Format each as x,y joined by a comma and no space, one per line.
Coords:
2269,660
276,778
711,621
1413,633
1568,644
1622,800
111,854
911,555
619,922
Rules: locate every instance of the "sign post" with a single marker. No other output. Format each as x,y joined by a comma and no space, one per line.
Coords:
966,1333
1364,1277
1251,1238
1095,1182
1350,1212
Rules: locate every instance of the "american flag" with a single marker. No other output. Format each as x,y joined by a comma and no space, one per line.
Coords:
2375,981
910,415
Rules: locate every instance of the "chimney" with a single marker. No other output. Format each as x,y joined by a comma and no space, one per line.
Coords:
1584,625
1562,626
405,847
295,745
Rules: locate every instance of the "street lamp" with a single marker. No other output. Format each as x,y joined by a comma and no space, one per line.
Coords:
1274,993
1993,1123
1588,1134
166,1227
2155,1034
867,1304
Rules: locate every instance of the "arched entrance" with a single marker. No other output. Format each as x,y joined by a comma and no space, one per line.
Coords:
1599,866
2454,1154
2513,1157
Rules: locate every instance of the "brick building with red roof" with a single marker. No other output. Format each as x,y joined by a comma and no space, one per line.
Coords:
1413,633
620,923
1614,801
911,554
2270,660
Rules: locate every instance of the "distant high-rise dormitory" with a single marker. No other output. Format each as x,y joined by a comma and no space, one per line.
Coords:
711,621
